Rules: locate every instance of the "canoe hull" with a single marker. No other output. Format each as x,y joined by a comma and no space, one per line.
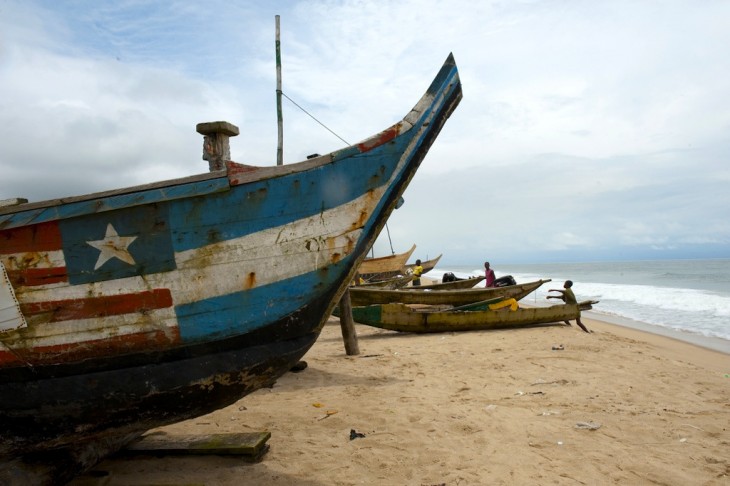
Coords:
363,297
401,318
428,265
385,267
390,283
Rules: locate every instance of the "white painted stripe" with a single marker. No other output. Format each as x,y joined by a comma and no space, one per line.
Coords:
69,332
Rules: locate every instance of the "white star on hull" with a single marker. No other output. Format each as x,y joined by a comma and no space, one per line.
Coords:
113,246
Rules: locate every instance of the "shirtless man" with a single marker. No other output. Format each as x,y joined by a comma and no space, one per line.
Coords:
568,297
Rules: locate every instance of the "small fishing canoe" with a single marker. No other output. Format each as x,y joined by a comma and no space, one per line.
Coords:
368,296
385,267
403,318
428,265
389,283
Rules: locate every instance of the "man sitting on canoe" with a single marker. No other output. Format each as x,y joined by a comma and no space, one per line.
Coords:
568,297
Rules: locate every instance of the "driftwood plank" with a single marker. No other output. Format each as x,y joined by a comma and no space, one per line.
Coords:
251,445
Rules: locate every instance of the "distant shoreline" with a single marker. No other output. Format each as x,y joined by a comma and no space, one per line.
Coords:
711,343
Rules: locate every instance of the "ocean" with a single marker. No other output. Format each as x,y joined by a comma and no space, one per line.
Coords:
683,299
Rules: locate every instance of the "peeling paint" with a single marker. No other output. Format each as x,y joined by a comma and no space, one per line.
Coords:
383,137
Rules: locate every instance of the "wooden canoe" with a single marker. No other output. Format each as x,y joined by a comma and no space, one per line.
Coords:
140,307
397,282
402,318
381,268
466,283
428,265
360,296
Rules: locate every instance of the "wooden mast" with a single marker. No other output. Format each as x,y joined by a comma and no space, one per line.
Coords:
279,117
349,335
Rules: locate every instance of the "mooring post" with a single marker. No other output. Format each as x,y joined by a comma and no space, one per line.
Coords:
347,325
216,147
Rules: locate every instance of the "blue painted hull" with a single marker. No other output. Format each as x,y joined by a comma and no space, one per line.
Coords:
146,306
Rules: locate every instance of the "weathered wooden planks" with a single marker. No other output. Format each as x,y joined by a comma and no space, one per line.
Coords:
250,445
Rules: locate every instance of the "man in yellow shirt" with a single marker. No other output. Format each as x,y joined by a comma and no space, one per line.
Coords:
417,272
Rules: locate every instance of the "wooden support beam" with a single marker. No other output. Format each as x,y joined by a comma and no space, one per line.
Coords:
348,326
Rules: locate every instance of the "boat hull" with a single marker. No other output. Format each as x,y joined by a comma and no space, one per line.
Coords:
144,306
428,265
115,406
390,283
364,296
381,268
400,317
49,413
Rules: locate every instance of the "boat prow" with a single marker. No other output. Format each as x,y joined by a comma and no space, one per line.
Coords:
149,305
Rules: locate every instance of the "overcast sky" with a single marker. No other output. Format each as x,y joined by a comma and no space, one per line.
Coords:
588,131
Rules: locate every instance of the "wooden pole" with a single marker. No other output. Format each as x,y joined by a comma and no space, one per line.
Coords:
347,325
279,116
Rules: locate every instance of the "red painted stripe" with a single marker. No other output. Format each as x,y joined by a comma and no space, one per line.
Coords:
37,276
114,346
383,137
236,172
34,238
65,310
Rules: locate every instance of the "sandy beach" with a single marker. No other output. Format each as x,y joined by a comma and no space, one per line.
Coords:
616,406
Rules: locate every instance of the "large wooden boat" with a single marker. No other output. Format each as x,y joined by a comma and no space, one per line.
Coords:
382,268
360,296
140,307
402,318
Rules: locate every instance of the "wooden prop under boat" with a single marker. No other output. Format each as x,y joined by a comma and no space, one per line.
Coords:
428,265
140,307
360,296
402,318
466,283
385,267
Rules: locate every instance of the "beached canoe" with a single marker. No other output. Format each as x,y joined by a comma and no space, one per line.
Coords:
389,283
361,296
466,283
381,268
402,318
140,307
428,265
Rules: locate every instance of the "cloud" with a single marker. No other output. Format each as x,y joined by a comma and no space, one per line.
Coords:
587,130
